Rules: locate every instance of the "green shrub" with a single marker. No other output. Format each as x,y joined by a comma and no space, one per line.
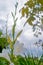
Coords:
19,60
3,43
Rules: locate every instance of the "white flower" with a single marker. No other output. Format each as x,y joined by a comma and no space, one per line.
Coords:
11,64
19,49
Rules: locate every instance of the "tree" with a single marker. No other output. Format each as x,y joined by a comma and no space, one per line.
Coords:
33,11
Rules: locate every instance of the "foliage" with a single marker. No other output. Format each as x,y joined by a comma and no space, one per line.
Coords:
3,42
33,7
20,60
32,10
0,33
3,61
3,39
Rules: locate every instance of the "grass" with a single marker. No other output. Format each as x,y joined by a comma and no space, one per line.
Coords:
19,60
4,61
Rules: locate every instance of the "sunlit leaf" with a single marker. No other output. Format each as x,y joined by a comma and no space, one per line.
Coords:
29,3
40,1
9,40
23,11
30,20
26,11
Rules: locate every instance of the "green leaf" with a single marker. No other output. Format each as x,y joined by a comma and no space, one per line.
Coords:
17,36
40,1
23,11
12,14
3,42
0,33
29,3
9,40
13,30
30,20
26,11
19,33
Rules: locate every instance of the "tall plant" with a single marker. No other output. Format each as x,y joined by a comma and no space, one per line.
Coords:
12,42
8,39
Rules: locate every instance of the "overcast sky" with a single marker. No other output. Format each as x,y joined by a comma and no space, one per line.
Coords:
6,6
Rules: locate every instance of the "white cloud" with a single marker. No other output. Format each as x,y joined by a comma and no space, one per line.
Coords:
6,6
